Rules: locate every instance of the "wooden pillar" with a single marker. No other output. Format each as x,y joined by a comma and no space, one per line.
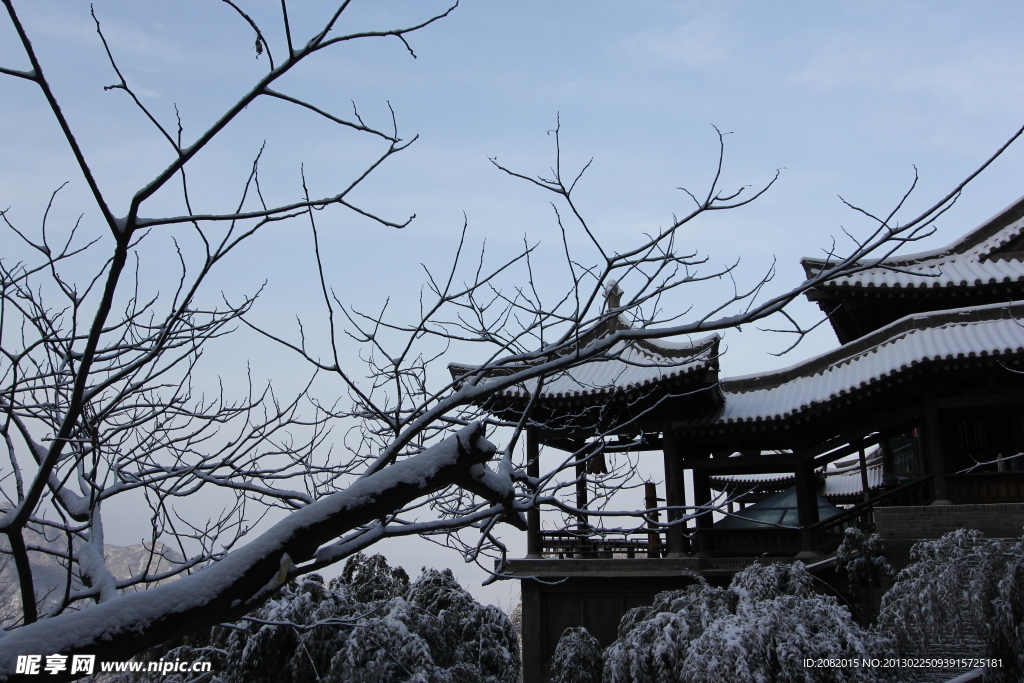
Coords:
534,542
936,456
581,492
704,521
654,534
806,502
864,475
675,496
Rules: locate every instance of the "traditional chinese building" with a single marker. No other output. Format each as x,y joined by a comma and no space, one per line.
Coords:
916,416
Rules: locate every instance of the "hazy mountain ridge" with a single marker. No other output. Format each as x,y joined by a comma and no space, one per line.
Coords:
50,573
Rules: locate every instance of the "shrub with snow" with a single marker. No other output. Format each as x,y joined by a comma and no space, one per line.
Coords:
861,558
768,640
760,629
654,641
578,658
370,579
962,583
369,626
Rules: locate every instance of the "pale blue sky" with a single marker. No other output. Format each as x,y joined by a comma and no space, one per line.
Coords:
846,97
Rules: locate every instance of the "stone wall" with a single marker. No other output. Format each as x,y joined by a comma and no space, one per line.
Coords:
901,527
999,520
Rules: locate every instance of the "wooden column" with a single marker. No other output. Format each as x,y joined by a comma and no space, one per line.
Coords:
936,456
654,534
806,502
864,475
581,492
534,544
704,521
675,495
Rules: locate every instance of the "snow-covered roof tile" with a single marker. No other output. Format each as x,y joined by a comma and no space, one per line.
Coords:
973,260
848,484
627,367
752,479
842,485
975,331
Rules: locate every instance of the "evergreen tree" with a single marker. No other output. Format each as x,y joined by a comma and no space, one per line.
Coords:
371,625
759,629
578,658
861,557
962,583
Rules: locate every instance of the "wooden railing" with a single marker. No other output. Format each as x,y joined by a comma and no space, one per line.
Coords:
570,545
986,487
826,535
773,540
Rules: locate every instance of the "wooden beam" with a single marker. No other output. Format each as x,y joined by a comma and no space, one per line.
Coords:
581,494
751,463
647,444
1012,397
704,521
532,630
856,440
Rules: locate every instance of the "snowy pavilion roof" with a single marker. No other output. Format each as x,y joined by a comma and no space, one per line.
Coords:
991,254
990,330
842,484
779,480
635,367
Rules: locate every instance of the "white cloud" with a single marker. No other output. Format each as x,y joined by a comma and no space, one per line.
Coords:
973,78
697,42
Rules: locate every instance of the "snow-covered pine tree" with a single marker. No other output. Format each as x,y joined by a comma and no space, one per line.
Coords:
759,629
578,658
861,557
962,583
371,625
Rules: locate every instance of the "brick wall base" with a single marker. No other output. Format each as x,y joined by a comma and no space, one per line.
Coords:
902,526
999,520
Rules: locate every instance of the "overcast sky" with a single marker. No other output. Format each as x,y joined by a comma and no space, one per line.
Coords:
846,98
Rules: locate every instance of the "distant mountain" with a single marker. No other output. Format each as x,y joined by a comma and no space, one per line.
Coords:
50,574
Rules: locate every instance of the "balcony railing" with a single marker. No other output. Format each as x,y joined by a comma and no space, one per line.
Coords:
986,487
828,533
749,542
825,536
568,545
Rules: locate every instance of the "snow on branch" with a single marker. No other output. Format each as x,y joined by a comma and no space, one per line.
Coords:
249,575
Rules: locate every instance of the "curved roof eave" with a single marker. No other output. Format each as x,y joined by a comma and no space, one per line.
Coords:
972,248
989,330
638,366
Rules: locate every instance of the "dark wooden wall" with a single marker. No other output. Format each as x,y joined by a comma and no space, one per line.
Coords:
596,603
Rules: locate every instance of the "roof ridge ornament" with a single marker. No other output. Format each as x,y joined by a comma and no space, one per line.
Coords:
613,294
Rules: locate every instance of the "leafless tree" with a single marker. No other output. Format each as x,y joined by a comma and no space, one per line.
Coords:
99,397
